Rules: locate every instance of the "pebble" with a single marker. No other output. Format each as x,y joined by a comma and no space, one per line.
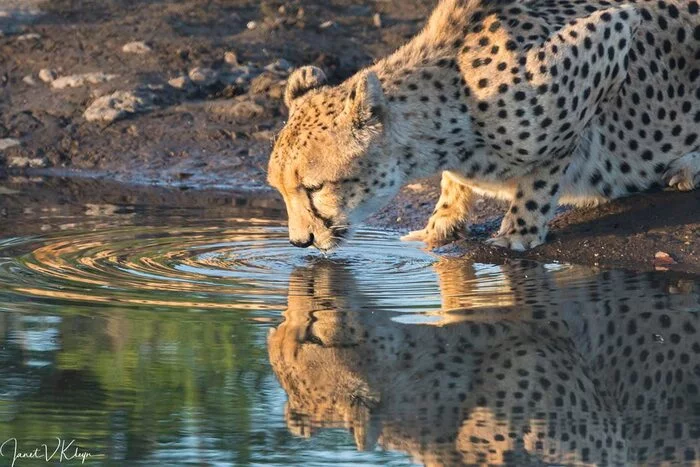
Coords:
119,105
6,143
74,81
252,25
231,58
28,37
203,76
136,47
377,20
326,24
29,79
180,82
47,75
663,259
23,162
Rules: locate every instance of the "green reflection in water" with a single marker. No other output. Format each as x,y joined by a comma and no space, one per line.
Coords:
140,331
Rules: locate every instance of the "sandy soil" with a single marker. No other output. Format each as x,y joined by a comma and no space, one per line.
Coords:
199,102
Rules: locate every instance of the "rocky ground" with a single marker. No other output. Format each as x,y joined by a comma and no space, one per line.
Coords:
188,94
172,92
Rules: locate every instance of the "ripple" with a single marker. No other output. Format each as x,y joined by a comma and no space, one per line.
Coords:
245,265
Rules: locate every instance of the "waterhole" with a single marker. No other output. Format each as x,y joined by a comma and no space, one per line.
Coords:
154,327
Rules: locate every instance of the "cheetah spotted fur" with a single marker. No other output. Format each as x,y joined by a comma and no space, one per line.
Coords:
536,102
568,367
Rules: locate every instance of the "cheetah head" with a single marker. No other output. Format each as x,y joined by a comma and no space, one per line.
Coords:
331,161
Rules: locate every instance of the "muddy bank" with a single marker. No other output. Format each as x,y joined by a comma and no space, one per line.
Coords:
626,233
188,96
172,93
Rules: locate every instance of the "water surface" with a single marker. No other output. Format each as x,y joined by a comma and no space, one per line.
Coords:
177,332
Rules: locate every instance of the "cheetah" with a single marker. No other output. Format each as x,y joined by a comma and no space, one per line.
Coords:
536,102
571,366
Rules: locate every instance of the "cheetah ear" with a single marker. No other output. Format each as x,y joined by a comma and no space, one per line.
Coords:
367,103
301,81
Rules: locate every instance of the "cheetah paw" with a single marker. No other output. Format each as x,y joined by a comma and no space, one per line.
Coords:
516,242
681,180
432,237
683,173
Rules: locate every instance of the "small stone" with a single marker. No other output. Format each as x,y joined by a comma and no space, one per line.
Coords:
29,80
74,81
136,47
203,76
326,24
181,82
377,20
28,37
231,58
119,105
252,25
47,75
23,162
661,258
6,143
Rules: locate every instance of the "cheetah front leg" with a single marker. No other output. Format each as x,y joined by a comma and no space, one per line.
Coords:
525,224
449,216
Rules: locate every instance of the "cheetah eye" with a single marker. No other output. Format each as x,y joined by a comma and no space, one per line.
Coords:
313,189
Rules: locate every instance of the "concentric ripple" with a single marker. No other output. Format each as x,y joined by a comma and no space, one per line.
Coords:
236,265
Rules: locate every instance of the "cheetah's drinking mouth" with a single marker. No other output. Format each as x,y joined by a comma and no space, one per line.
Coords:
535,102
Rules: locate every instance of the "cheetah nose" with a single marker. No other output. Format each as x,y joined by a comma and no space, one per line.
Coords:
305,244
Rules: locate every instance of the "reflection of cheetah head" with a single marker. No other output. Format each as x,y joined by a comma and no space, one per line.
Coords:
329,162
312,338
581,368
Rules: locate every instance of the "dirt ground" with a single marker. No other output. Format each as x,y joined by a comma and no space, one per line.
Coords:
194,99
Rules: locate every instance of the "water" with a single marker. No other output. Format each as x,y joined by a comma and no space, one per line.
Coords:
192,334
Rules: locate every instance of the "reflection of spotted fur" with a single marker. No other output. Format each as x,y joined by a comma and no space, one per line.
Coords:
536,102
573,367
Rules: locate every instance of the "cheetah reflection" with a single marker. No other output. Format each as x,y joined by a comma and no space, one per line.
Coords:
573,367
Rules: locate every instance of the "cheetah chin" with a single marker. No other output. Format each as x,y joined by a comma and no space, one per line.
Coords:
534,102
